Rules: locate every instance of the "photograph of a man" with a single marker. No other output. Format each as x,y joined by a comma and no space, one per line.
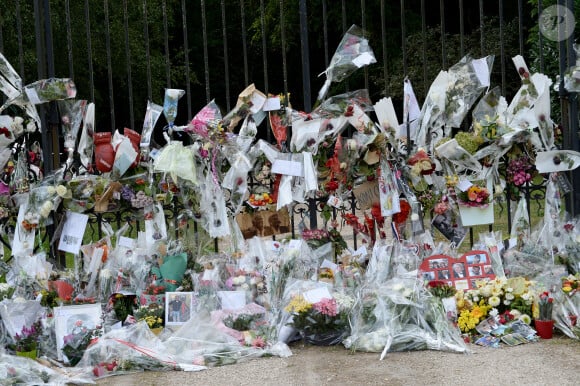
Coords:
178,307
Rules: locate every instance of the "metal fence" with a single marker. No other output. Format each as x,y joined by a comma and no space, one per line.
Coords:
122,53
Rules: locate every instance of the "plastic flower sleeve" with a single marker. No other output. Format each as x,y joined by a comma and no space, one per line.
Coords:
10,81
213,206
170,101
85,147
18,313
467,80
305,133
566,313
177,160
431,119
352,53
572,75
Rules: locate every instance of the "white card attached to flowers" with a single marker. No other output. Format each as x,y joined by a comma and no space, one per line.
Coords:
73,232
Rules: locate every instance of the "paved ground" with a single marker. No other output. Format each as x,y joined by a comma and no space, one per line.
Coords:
549,362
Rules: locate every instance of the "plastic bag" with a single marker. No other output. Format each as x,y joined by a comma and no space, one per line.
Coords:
352,53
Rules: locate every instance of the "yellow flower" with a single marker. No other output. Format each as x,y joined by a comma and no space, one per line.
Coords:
298,305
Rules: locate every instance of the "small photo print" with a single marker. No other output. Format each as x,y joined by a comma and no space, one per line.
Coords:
458,270
475,271
429,275
438,263
178,307
487,270
479,258
443,274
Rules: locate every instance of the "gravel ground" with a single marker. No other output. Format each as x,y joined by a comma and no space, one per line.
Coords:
548,362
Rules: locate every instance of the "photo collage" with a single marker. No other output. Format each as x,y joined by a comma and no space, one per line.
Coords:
462,273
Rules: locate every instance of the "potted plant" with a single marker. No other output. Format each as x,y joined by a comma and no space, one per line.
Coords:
545,324
26,342
152,314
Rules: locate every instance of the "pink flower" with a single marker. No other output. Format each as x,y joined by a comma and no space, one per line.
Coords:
326,307
258,342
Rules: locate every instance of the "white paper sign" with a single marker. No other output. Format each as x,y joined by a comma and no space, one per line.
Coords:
289,168
127,242
317,294
232,300
272,104
73,232
258,100
464,185
481,71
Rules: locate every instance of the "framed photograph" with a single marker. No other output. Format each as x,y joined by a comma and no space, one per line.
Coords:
453,231
179,307
75,320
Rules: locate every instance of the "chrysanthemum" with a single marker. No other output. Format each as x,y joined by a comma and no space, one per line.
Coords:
494,301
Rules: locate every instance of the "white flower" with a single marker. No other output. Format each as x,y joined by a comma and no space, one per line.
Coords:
414,217
476,298
61,190
46,208
105,273
509,296
494,301
493,312
509,289
525,318
239,280
245,287
515,313
507,302
526,296
31,126
51,190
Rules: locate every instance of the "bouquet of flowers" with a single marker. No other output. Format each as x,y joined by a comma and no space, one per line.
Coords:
475,195
28,338
320,323
515,295
152,314
76,343
570,284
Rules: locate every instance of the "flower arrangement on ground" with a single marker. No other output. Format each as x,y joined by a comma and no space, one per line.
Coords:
512,298
152,314
27,340
76,343
571,284
323,322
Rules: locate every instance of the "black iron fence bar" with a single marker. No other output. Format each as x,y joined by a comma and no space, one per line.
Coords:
443,38
186,62
284,46
244,42
404,39
205,53
166,42
304,44
540,39
226,60
109,64
325,28
264,45
128,59
69,44
20,42
90,51
384,48
521,26
461,29
502,47
147,50
424,45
